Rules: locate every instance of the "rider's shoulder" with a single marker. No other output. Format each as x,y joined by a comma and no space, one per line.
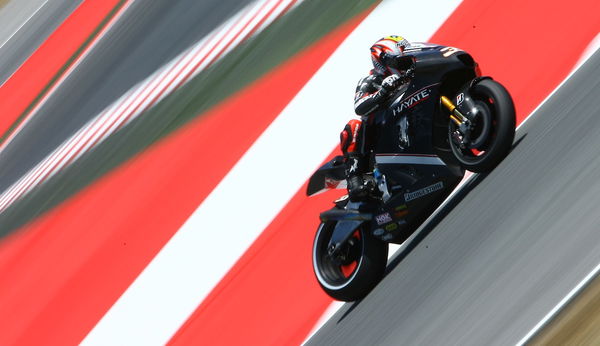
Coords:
370,78
416,47
373,76
369,82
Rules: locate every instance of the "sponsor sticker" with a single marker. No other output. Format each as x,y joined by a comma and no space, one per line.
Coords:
331,183
383,218
413,100
401,213
409,196
448,51
391,226
401,207
387,237
341,199
460,98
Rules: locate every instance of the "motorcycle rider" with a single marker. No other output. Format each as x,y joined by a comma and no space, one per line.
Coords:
371,92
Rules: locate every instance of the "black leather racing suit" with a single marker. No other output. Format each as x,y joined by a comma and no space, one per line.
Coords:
368,95
354,142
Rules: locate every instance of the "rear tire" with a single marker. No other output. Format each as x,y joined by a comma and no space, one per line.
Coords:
491,97
360,271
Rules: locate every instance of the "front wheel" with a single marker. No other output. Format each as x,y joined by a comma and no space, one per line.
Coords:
493,129
354,271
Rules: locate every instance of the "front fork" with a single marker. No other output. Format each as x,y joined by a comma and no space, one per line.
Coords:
462,122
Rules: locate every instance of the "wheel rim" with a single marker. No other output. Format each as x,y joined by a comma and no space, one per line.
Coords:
483,125
483,133
349,268
335,273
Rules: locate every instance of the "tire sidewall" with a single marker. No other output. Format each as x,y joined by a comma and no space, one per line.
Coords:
504,112
369,270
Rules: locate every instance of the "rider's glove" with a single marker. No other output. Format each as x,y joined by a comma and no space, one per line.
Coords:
390,83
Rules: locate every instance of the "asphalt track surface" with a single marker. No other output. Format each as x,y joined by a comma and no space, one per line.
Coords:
149,34
506,250
25,26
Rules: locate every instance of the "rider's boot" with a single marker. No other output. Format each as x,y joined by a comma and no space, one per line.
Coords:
357,190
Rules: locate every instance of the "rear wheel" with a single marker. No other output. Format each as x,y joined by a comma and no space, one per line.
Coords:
493,129
355,270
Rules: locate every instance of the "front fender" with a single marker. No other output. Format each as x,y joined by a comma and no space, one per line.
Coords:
342,232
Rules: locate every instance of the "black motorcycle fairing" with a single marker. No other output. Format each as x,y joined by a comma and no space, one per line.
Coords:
401,127
446,120
348,219
463,99
404,141
342,214
328,176
416,189
438,70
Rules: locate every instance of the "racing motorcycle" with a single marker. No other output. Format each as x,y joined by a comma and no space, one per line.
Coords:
445,120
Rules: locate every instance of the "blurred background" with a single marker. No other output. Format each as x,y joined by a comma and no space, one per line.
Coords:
154,158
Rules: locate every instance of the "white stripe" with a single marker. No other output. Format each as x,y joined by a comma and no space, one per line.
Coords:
409,160
171,287
23,24
329,312
278,11
242,31
567,299
591,48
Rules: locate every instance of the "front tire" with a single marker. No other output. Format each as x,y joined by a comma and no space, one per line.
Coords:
354,274
495,105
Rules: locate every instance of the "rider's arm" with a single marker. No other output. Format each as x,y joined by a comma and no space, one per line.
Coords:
368,95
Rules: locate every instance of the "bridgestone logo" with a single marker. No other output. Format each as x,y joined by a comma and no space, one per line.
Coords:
422,192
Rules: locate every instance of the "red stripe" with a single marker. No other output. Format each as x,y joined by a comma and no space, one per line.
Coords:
529,46
270,297
67,268
269,294
39,69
